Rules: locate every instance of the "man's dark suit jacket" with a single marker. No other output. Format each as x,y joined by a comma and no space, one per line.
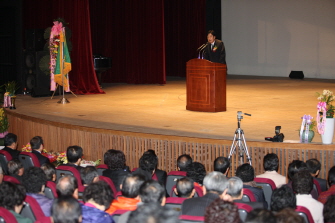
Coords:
322,183
40,157
259,194
12,152
217,55
196,206
117,176
161,176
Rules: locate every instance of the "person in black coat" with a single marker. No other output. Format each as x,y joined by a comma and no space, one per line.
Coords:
215,50
36,144
10,142
74,156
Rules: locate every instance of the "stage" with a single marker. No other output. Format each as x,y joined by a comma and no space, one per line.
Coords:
159,112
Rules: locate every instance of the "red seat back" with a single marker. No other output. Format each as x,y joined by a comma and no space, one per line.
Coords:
243,210
110,183
7,216
248,193
32,209
317,186
28,160
62,170
268,186
50,190
101,168
11,179
4,158
171,179
305,213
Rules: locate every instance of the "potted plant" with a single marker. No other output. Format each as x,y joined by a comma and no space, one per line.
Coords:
9,98
306,132
325,116
4,125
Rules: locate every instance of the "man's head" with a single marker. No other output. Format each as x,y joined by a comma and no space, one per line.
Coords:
245,172
184,187
294,167
283,197
131,185
34,180
152,192
36,143
183,161
222,211
313,166
67,186
196,171
11,140
115,159
215,182
222,164
66,209
260,216
235,188
15,167
302,182
148,162
89,175
211,36
74,154
271,162
98,193
50,171
331,176
11,195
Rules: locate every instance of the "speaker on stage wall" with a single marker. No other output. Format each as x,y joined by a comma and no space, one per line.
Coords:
35,39
37,73
297,75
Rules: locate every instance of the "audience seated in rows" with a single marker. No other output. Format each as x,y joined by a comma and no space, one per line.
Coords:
271,166
314,167
10,142
130,194
15,169
183,161
222,211
302,184
197,172
74,156
50,171
222,164
160,174
34,181
151,191
283,197
246,173
147,166
66,209
214,184
37,146
89,175
67,186
331,181
288,215
12,197
117,171
97,197
184,188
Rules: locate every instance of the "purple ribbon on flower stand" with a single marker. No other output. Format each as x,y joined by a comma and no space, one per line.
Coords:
306,121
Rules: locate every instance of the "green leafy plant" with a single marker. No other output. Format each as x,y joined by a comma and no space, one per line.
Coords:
4,124
11,87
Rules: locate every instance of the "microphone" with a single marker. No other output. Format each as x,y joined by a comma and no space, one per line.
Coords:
202,48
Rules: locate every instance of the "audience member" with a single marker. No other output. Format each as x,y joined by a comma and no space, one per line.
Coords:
50,171
302,184
222,164
97,197
12,197
117,171
271,166
67,186
184,187
66,209
37,146
89,175
260,216
10,142
283,197
289,215
215,183
147,165
328,210
246,173
314,167
222,211
160,174
294,167
15,169
34,180
1,175
331,181
130,194
74,156
183,161
196,171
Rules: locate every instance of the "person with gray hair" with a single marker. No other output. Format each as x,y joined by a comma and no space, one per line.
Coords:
214,185
235,188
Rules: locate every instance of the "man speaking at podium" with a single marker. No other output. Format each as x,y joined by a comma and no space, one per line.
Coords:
215,50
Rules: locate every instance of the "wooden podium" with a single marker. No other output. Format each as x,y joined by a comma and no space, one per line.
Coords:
206,86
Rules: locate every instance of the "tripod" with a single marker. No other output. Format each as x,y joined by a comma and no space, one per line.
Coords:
237,141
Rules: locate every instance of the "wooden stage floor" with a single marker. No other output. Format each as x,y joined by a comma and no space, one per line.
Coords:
161,109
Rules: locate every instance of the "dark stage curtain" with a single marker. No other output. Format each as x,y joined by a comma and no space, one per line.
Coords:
131,33
39,14
185,31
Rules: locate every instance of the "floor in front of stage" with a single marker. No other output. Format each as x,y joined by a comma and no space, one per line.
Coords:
161,109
